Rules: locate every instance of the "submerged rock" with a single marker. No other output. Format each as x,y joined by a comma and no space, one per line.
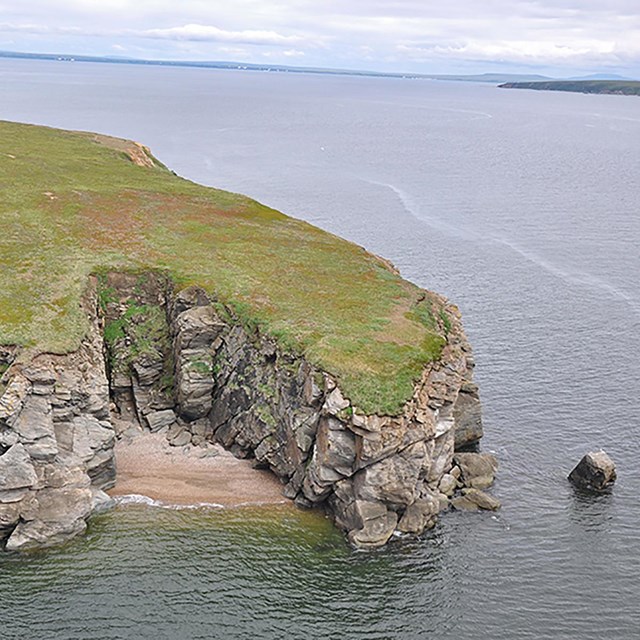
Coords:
596,472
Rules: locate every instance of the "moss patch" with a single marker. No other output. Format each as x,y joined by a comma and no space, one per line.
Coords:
75,203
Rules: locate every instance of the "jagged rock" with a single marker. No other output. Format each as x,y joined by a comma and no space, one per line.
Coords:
467,412
443,500
420,515
17,474
596,471
148,368
442,452
181,439
236,387
473,499
336,450
463,503
14,396
158,419
478,470
51,516
40,535
90,435
394,480
34,426
100,501
378,524
335,402
448,484
9,517
195,330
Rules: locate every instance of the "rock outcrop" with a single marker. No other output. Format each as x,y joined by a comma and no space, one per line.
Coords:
595,472
56,443
184,364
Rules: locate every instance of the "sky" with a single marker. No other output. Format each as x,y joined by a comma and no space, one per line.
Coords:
555,37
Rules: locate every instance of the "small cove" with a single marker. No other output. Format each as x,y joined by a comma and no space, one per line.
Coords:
527,220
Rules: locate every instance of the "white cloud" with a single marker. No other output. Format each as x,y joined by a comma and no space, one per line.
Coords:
418,35
208,33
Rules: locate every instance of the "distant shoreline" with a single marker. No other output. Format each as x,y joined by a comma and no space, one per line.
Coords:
608,87
486,78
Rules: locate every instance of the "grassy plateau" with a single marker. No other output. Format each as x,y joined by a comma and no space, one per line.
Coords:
73,204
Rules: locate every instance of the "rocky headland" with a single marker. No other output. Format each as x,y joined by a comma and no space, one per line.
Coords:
610,87
172,355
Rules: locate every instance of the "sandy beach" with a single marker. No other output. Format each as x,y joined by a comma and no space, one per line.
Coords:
147,465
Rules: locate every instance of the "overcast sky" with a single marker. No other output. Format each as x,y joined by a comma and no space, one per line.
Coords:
448,36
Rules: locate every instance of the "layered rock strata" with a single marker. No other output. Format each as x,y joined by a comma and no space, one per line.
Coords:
184,364
56,443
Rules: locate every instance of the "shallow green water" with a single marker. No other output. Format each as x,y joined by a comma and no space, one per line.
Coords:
145,572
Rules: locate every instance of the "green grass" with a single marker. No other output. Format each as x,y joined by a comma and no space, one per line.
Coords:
73,204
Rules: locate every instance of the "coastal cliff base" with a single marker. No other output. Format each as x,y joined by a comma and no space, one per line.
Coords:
182,366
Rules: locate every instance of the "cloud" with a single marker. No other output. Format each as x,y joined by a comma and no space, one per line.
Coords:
208,33
402,35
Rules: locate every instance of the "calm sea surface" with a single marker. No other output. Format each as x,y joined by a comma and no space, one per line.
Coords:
522,207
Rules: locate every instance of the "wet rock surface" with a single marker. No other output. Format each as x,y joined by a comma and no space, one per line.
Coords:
595,472
182,365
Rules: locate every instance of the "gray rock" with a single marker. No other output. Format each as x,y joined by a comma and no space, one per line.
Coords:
35,421
335,402
420,515
596,472
100,501
181,439
464,503
36,534
45,449
49,517
394,480
158,419
16,469
477,469
468,416
13,398
148,368
481,499
448,484
9,517
7,438
378,525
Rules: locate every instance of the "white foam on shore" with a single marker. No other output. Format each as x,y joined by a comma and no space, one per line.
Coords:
139,499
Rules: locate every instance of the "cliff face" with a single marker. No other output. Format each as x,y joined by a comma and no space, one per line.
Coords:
56,443
184,362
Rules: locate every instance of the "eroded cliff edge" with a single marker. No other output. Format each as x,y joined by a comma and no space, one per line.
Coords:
183,362
212,317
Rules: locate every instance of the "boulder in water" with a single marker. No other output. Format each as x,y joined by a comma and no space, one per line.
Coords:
596,472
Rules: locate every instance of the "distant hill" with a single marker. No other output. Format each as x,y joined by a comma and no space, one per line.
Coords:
616,87
489,78
600,76
493,78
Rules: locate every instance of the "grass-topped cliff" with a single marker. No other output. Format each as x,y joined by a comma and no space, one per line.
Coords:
73,204
617,87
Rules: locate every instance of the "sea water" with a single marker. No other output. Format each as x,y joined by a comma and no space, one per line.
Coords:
522,208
